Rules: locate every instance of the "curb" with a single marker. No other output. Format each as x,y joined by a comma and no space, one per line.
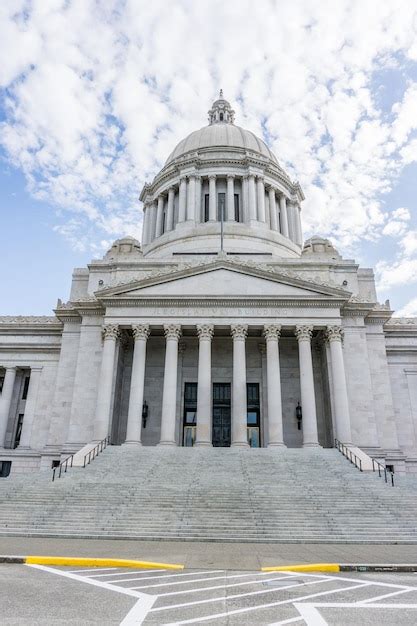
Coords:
88,562
337,567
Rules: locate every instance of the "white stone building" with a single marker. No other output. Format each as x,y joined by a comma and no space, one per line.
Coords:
214,330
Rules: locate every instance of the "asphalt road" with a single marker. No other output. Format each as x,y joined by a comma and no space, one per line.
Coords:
50,595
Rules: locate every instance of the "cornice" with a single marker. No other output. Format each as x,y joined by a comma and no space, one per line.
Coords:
30,347
207,302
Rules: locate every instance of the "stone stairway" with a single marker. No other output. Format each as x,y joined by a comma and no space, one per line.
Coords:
216,494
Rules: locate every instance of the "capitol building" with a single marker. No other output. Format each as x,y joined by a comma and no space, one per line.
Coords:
223,327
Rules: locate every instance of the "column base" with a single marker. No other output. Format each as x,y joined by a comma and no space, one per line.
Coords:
167,443
277,445
311,445
132,443
203,444
240,444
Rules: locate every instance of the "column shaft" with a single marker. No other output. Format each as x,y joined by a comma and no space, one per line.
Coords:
152,229
261,199
191,199
212,199
340,396
145,226
182,201
272,333
35,376
137,383
252,197
170,209
273,209
169,393
198,200
284,216
308,398
105,383
245,207
239,394
204,427
5,401
230,199
299,227
160,217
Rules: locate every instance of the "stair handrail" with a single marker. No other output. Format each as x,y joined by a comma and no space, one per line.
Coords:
384,469
63,464
99,447
349,454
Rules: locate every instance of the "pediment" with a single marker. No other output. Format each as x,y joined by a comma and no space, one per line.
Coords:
222,279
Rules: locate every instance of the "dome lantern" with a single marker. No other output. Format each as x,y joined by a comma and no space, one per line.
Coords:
221,111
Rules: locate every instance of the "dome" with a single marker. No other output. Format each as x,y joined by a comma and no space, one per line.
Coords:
221,134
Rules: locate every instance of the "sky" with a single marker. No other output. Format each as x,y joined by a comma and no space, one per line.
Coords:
95,94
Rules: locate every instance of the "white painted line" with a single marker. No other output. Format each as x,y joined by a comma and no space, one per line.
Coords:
386,595
233,597
266,606
291,620
216,571
310,614
202,580
182,582
356,580
249,582
88,581
139,611
92,569
124,573
355,605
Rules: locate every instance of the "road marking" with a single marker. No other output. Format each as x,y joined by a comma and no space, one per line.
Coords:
124,573
356,580
310,614
217,571
202,580
139,611
386,595
99,569
266,606
249,582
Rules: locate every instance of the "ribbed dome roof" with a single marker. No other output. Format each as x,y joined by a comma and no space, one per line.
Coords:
221,135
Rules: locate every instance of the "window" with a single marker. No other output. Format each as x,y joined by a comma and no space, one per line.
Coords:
18,432
221,206
1,383
237,213
221,117
253,415
5,467
206,207
190,414
25,388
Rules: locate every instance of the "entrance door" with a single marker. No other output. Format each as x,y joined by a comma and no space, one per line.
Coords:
221,415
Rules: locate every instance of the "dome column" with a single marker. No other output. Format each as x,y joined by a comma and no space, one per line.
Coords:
273,208
182,205
230,198
252,197
299,230
170,209
191,199
145,225
212,198
198,199
261,199
284,215
160,216
152,221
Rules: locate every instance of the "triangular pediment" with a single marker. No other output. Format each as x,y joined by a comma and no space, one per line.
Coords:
222,279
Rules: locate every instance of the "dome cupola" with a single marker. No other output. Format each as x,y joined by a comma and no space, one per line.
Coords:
221,111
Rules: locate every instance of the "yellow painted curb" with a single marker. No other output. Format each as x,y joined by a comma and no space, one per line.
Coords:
96,562
307,567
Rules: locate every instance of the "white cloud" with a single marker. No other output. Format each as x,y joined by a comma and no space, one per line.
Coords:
99,93
409,310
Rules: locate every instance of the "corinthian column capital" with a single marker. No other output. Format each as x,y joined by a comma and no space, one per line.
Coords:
334,333
111,331
172,331
272,331
205,331
239,331
304,333
140,331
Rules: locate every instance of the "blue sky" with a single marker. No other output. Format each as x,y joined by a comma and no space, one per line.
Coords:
95,95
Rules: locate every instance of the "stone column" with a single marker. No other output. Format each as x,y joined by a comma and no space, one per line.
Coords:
252,197
152,219
272,334
5,401
261,199
182,201
160,216
191,199
205,335
245,193
230,198
340,397
170,209
105,383
35,375
197,211
134,417
273,209
169,393
284,216
239,394
308,398
291,221
145,226
212,198
299,229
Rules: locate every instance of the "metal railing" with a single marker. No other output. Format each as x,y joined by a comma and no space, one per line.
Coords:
347,452
62,467
94,452
383,469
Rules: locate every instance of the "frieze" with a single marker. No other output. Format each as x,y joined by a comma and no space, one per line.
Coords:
28,319
402,321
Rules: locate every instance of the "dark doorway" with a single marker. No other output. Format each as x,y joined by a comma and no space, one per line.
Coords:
221,415
190,414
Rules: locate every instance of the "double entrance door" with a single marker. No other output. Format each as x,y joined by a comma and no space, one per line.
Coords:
221,412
